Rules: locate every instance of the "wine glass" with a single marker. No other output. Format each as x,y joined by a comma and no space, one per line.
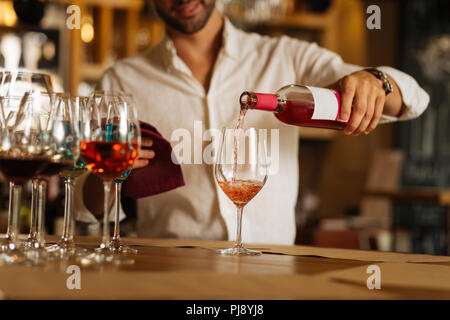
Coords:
241,172
66,121
116,244
34,246
110,143
24,152
15,83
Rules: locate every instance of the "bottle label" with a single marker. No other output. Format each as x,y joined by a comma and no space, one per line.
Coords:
327,104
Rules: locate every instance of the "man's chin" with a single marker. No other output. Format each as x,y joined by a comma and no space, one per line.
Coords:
188,26
191,24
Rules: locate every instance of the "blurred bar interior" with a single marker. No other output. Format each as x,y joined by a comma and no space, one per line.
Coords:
386,191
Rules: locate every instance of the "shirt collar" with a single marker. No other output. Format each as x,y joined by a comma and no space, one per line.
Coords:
231,39
230,45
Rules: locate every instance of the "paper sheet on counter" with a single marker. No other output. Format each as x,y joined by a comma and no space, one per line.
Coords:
350,254
361,255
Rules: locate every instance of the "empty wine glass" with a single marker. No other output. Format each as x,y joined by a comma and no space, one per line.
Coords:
241,172
110,143
66,121
24,152
16,82
116,244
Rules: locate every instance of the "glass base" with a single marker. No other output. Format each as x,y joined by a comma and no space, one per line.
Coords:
239,251
103,255
7,245
11,254
66,248
116,246
37,255
6,258
32,243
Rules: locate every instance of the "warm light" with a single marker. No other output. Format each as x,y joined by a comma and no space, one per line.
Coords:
49,50
87,32
8,16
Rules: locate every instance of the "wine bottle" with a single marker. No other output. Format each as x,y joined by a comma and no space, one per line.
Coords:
299,105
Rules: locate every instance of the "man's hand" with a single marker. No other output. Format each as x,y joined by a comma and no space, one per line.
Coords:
364,92
145,155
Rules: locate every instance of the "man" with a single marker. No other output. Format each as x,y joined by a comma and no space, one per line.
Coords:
192,80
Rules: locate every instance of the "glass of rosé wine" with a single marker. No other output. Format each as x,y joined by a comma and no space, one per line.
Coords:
241,172
109,146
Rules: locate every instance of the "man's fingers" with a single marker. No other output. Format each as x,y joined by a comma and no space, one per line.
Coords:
143,158
146,142
367,118
146,154
347,89
359,110
379,105
140,163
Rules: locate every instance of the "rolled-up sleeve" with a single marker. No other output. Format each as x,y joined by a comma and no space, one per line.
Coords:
414,97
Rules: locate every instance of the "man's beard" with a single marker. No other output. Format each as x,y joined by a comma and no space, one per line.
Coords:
189,28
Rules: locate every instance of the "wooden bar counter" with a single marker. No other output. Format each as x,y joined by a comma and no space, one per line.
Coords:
190,269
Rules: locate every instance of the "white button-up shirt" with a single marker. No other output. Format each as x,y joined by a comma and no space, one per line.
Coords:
170,98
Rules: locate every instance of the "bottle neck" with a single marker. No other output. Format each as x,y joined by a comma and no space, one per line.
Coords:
261,101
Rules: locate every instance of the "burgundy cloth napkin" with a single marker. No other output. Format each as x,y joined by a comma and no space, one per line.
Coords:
160,175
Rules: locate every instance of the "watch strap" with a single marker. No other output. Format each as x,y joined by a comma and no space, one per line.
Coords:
387,85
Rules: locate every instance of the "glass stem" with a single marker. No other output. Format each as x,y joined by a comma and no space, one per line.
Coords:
105,240
67,227
9,231
34,209
42,195
118,191
239,228
17,193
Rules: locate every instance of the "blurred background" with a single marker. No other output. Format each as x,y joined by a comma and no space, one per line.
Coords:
386,191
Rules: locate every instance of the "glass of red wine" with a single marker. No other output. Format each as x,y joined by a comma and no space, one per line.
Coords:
110,143
241,172
15,83
34,245
24,152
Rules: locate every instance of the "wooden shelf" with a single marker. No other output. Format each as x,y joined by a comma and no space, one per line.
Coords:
436,195
104,26
303,20
116,4
326,23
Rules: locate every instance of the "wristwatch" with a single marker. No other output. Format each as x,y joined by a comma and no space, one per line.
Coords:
387,85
